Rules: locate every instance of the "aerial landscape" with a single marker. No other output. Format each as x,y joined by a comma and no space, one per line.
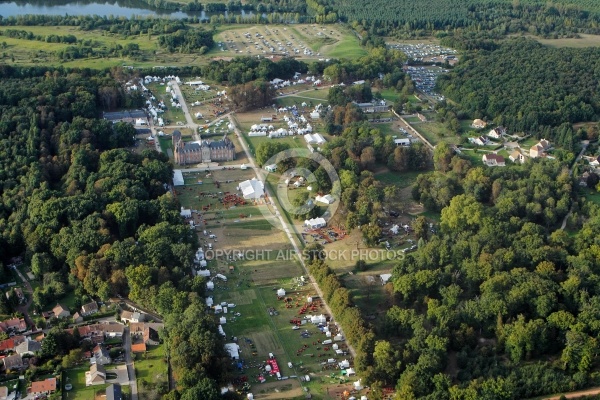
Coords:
302,199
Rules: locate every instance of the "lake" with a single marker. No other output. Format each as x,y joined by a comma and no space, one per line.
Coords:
120,8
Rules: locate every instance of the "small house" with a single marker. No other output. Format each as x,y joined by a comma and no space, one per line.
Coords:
327,199
516,157
89,309
100,355
28,347
493,160
45,387
60,311
96,375
478,124
13,363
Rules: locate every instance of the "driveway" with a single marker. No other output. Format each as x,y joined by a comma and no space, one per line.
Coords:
129,362
122,375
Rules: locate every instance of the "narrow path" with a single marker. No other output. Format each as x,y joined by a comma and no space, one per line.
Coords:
24,308
576,395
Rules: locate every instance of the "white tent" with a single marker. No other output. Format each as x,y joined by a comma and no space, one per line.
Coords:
203,272
210,285
350,371
358,385
243,167
281,292
344,364
185,213
385,278
221,331
315,223
318,319
252,189
338,338
233,350
327,199
203,263
335,347
395,229
222,320
178,178
218,309
209,301
271,168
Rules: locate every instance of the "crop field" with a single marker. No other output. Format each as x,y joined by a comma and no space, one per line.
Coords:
301,41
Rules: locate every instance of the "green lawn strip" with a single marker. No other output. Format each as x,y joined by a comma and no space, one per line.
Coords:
151,365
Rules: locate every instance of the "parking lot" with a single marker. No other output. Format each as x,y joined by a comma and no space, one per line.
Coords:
424,79
426,52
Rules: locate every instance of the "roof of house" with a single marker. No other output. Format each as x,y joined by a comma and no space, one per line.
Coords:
58,309
7,344
498,158
515,154
47,385
97,369
77,316
13,323
112,328
113,392
126,315
150,334
138,348
12,362
89,307
537,147
28,346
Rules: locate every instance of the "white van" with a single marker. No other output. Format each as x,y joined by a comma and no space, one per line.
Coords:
210,246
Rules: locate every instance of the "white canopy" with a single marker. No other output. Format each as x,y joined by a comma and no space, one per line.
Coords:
178,178
281,292
252,189
327,199
233,350
210,285
209,301
315,223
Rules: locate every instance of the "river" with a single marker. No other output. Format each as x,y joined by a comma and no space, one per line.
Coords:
118,8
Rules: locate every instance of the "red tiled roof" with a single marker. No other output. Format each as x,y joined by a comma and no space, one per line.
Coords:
48,385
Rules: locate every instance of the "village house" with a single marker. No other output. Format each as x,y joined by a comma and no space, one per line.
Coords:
497,132
479,141
539,149
77,318
13,325
128,316
516,157
147,331
44,387
201,151
113,392
373,107
10,344
60,312
493,160
100,355
13,363
89,309
28,347
478,124
96,375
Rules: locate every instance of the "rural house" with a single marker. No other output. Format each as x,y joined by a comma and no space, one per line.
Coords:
28,347
89,309
46,386
96,375
517,157
493,160
100,355
12,363
60,312
539,149
128,316
478,124
113,392
497,132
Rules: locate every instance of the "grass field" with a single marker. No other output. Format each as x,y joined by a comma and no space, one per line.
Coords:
151,366
585,40
436,132
400,179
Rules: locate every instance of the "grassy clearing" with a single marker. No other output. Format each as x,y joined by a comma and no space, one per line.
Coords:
436,132
590,195
151,366
585,40
400,179
76,377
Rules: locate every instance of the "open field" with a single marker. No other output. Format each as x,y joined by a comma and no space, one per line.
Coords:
302,41
435,132
585,40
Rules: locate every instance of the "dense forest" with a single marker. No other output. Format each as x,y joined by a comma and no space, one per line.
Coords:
94,218
528,87
499,304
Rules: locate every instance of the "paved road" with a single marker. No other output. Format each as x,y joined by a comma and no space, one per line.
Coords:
286,228
129,362
24,308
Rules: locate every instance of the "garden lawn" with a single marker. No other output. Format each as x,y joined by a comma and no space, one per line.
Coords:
151,365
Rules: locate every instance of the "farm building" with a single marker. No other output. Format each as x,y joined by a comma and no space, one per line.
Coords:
178,178
315,223
327,199
252,189
233,350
